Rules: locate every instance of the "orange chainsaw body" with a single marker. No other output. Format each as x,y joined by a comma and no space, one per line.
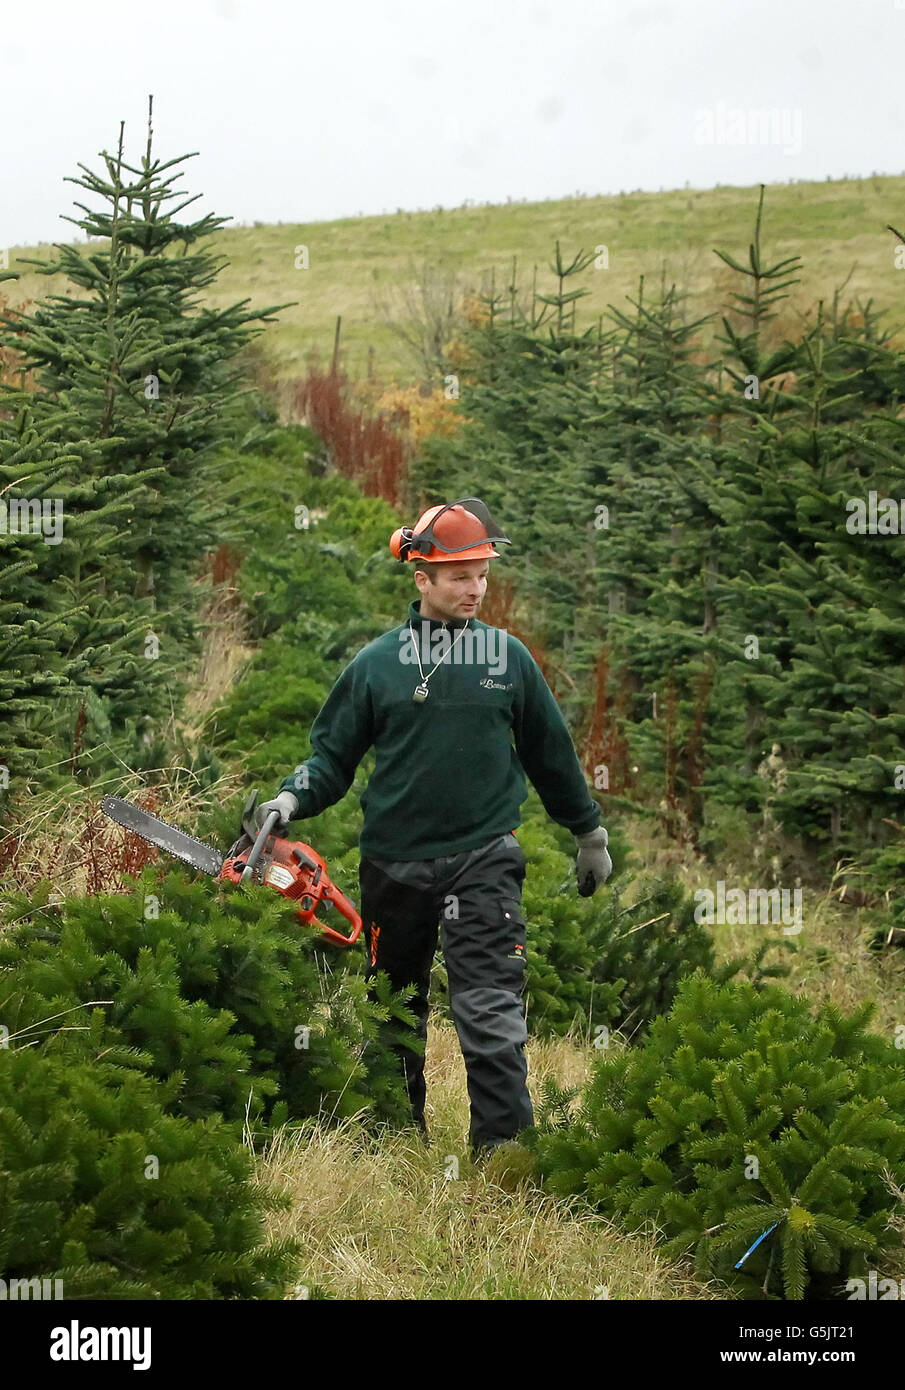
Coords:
300,874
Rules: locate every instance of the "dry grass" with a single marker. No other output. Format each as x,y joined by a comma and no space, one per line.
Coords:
65,839
223,656
381,1220
832,961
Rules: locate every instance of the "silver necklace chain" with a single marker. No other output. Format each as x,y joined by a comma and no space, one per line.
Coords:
421,691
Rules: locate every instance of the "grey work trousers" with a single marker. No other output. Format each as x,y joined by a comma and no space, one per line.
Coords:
474,898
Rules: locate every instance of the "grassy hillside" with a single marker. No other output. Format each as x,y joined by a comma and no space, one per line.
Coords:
837,227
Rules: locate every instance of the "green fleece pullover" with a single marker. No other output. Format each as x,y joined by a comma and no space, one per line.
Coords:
450,772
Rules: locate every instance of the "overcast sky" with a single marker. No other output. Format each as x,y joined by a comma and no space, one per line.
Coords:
304,111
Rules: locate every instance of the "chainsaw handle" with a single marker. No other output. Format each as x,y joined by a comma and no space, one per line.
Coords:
257,847
347,908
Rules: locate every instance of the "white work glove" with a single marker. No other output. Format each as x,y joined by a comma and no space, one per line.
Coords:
593,865
285,803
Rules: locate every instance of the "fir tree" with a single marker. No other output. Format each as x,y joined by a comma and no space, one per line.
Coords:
52,509
135,366
104,1190
742,1116
223,991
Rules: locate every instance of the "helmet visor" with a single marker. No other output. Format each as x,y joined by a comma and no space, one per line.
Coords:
495,533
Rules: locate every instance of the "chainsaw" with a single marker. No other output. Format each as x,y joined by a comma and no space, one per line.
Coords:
291,867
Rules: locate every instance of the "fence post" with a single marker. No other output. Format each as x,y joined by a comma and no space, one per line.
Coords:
339,319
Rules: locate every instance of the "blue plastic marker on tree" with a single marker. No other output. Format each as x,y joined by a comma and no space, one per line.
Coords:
756,1244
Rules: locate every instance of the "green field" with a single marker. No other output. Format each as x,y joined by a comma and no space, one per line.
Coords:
838,228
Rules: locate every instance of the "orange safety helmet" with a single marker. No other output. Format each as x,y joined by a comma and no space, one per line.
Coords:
451,532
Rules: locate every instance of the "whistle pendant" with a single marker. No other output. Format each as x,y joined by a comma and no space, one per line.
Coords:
421,694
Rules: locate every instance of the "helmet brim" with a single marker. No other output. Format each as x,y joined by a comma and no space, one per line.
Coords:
477,552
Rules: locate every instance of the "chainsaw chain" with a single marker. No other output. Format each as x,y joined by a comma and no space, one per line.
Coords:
183,834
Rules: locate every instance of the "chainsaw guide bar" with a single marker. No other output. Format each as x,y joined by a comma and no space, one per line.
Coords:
166,837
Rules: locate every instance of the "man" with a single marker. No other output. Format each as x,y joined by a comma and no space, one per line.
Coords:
459,712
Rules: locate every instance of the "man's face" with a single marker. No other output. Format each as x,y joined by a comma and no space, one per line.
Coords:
458,590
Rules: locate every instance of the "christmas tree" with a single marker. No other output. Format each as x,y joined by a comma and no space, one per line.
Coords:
759,1138
134,366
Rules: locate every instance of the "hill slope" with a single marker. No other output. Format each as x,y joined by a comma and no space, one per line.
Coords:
839,228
